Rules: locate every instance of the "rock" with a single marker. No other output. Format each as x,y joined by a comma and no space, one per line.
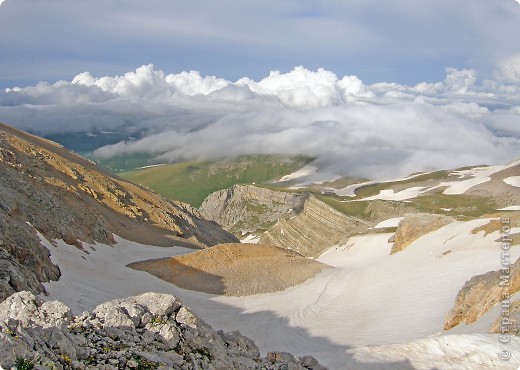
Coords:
185,317
508,321
115,337
413,226
30,310
244,209
295,221
313,228
481,293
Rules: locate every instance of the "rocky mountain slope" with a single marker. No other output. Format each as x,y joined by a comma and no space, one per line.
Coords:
149,331
46,188
249,209
296,221
313,229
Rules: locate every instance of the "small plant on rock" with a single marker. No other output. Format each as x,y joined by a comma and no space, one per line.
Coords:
23,364
144,364
157,320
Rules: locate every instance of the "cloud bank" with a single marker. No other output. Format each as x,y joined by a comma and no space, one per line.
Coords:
378,131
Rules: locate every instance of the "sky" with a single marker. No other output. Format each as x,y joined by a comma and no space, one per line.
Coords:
371,88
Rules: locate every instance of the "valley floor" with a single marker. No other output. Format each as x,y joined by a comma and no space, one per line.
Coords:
370,298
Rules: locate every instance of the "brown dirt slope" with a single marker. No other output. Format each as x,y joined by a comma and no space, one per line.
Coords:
64,196
235,269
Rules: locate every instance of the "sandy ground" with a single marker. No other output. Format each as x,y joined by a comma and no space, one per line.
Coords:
235,269
369,298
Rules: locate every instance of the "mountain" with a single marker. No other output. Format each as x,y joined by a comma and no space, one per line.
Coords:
193,181
413,273
47,189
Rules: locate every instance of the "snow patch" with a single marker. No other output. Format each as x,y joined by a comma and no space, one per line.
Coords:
389,194
251,239
152,165
392,222
513,181
443,352
510,208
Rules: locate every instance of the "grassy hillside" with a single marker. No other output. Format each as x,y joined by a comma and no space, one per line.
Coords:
192,181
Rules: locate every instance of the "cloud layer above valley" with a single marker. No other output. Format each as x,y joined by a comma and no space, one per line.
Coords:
379,131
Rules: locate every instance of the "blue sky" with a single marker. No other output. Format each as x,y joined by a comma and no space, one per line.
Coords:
404,41
369,88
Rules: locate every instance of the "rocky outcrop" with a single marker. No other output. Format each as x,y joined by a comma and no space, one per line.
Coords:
509,320
64,196
235,269
312,228
149,331
296,221
413,226
481,293
244,209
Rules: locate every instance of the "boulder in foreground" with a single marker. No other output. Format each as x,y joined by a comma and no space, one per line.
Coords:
149,331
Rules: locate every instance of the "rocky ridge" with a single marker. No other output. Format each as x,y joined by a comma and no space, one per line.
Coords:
248,209
296,221
313,228
63,196
149,331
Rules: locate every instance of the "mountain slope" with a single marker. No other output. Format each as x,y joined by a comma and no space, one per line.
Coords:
64,196
193,181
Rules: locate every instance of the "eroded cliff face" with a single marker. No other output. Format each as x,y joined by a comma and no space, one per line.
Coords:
244,209
481,293
296,221
313,228
63,196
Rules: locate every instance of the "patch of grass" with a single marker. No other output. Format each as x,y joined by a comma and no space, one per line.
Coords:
460,204
193,181
144,364
23,364
355,209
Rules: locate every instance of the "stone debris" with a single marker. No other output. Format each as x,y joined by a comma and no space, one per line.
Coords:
149,331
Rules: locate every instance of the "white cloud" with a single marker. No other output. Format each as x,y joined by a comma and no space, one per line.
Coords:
508,70
381,130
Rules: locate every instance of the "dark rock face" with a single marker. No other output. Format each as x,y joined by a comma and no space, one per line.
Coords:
63,196
149,331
